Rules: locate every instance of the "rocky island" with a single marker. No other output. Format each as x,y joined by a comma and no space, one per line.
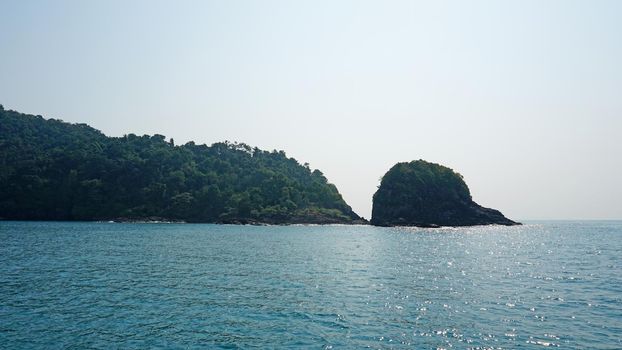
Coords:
426,194
53,170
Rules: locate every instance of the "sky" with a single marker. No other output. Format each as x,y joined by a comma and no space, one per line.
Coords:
523,98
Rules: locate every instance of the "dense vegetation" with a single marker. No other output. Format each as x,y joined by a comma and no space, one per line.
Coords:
52,170
420,193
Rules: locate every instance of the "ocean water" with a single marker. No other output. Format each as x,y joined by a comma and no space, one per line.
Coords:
186,286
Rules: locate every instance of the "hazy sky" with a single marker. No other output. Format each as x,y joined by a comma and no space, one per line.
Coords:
523,98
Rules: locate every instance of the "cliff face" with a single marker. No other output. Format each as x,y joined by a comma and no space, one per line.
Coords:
426,194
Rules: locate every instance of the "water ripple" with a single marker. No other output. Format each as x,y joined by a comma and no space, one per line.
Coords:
101,286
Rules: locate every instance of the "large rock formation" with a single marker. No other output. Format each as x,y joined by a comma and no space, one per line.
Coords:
426,194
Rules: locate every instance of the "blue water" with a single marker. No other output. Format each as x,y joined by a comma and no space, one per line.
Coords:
180,286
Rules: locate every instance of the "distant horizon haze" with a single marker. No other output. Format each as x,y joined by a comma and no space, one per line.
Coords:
523,98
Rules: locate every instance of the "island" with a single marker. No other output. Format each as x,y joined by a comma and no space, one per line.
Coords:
425,194
53,170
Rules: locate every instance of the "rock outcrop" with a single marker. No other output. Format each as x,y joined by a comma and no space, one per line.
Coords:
426,194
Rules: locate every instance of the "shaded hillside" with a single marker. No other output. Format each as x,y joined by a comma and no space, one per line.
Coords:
52,170
420,193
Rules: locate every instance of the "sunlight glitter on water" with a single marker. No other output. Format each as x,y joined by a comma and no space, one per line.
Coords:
102,285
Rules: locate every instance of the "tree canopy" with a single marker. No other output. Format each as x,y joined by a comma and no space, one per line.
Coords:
53,170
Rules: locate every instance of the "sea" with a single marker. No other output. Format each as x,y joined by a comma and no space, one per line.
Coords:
86,285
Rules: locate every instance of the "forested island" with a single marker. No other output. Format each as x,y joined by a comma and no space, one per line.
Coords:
53,170
425,194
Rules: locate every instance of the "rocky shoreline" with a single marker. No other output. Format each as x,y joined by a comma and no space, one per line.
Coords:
244,221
